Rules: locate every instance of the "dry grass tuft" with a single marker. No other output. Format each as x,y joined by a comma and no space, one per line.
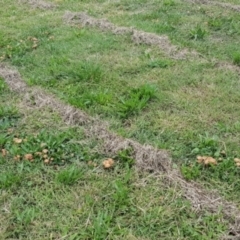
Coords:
147,158
103,24
227,5
39,4
228,66
12,78
163,43
220,4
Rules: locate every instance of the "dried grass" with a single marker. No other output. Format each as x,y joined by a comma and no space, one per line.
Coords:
228,66
227,5
39,4
215,3
5,210
138,37
147,158
13,79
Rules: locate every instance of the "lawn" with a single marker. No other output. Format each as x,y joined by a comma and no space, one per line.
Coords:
169,79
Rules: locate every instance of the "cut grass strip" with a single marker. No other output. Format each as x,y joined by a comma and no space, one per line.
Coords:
44,5
220,4
141,37
138,37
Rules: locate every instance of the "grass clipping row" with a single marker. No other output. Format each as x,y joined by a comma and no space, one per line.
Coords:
218,3
138,37
40,4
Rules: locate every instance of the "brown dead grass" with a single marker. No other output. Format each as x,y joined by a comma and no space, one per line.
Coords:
138,37
228,66
227,5
5,210
147,158
13,79
216,3
39,4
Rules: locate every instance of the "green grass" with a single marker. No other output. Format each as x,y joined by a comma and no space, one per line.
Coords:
236,59
70,175
189,107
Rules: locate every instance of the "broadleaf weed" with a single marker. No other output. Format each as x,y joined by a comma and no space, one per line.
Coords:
198,33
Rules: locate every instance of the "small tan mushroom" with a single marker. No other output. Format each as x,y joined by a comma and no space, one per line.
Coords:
108,163
28,157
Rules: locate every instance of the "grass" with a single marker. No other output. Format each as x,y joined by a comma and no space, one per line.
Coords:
236,59
136,100
189,107
73,196
70,176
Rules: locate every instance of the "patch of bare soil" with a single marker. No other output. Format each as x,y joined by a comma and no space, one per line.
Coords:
139,37
147,158
40,4
220,4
